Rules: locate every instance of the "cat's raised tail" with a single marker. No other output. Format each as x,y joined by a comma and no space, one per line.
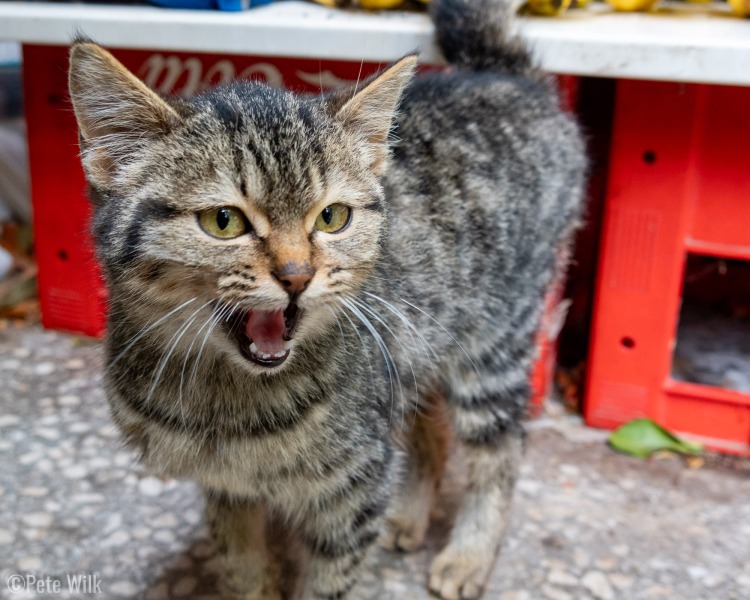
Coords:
475,34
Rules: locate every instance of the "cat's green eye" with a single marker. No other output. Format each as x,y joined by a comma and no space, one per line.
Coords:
225,222
333,218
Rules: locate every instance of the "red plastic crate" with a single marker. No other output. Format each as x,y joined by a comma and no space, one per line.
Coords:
678,184
70,291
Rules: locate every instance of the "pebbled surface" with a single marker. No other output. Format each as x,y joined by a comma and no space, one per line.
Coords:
586,524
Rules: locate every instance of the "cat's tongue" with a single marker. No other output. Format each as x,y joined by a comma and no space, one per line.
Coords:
266,330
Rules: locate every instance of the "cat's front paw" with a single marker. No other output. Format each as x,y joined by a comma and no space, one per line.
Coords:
409,518
256,594
405,532
460,573
261,587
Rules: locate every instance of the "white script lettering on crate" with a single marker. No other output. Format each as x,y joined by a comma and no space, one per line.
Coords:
324,79
187,77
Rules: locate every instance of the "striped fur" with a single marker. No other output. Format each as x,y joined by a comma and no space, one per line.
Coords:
427,301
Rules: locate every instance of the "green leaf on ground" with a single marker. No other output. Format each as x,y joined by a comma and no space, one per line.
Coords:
643,437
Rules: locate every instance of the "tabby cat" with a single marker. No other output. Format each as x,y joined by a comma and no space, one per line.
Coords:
303,304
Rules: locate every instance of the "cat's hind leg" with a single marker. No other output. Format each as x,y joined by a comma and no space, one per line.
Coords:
239,531
486,412
425,441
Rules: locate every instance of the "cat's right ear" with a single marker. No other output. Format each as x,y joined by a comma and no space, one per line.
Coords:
117,113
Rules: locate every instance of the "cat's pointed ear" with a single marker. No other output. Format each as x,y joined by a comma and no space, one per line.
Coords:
117,113
370,111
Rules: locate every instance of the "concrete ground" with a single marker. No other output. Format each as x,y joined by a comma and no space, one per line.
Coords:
586,523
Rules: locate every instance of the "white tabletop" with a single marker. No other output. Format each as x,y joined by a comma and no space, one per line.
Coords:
687,43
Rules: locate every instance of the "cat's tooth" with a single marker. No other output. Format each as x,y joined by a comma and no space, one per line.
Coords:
265,356
279,354
253,348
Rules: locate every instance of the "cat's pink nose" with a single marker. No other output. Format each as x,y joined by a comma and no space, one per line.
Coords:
294,277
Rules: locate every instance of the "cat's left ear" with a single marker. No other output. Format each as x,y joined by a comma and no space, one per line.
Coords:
370,112
117,113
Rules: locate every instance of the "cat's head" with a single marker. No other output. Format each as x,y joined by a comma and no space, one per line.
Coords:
262,207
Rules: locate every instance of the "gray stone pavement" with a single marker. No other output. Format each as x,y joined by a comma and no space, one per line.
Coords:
586,524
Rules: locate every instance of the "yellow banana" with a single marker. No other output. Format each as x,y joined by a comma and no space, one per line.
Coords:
741,8
632,5
380,4
366,4
548,8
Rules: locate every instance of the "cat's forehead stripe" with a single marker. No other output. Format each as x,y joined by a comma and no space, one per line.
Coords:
148,210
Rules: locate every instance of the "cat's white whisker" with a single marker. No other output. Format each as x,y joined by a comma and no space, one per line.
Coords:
362,342
338,321
474,366
389,362
148,328
429,350
214,316
359,77
172,344
404,349
197,360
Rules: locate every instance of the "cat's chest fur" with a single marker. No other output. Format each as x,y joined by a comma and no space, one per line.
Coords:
265,465
285,439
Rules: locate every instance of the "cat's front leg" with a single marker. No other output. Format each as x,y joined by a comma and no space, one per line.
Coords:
461,570
341,534
239,530
425,437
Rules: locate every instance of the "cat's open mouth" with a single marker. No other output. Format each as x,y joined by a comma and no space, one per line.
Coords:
264,336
